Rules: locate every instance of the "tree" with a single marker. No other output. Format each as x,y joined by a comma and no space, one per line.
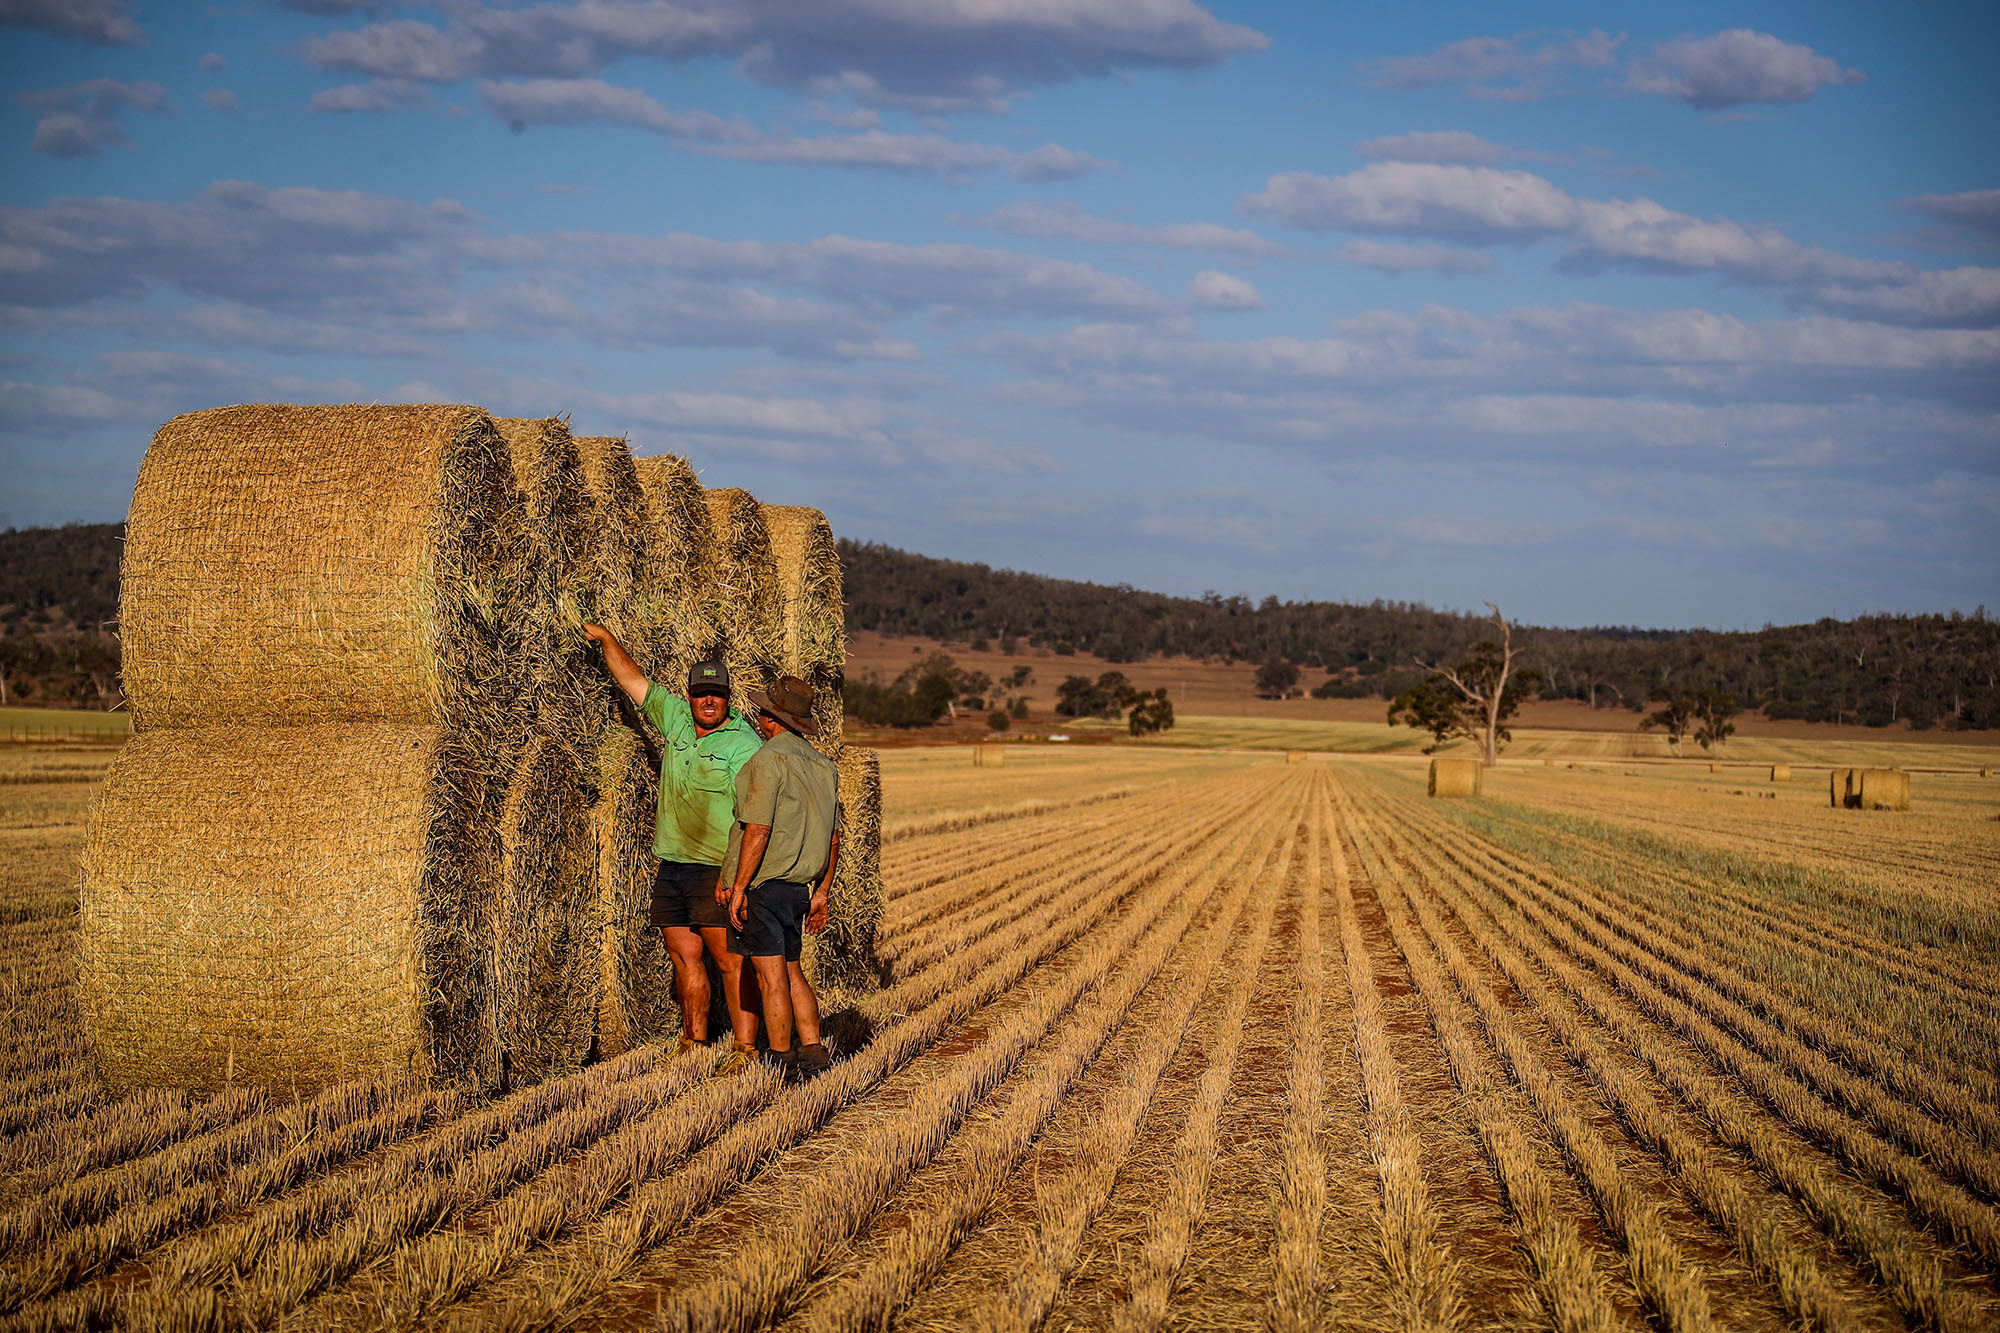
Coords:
1276,678
998,721
1107,696
1675,716
1019,708
1473,698
1152,712
1714,708
937,681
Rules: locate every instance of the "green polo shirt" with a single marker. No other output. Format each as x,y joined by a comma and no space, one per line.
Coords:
793,790
697,779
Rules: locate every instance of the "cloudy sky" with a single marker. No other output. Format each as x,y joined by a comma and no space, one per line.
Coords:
1611,314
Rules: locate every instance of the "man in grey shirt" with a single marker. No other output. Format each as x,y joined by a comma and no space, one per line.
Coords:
783,851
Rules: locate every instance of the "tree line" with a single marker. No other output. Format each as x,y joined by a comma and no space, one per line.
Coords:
59,606
1876,670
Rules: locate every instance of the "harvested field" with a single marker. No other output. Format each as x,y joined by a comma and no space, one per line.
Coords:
1168,1040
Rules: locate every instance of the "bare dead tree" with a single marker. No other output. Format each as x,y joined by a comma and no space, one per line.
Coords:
1482,685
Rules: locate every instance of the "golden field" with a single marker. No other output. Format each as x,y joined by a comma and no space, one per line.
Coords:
1168,1039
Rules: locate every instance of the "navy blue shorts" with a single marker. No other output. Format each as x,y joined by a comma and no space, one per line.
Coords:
773,921
684,895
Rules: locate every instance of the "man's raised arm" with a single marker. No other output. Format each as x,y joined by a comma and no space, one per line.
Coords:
619,662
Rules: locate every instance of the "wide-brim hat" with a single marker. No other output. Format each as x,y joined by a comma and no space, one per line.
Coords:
790,700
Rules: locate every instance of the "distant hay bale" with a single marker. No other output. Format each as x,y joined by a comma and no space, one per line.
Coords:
841,961
1781,772
289,906
813,638
570,691
1295,756
302,564
1548,763
988,756
1840,787
748,619
679,597
1883,789
1715,768
636,990
545,941
1457,777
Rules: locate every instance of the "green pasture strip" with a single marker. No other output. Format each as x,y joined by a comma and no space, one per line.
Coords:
30,725
1969,926
1257,733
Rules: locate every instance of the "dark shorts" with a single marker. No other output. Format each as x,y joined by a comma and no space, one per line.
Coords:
684,895
772,922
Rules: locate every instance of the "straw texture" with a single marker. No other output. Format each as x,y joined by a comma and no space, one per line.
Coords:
841,961
299,564
748,616
813,637
1457,777
1882,789
988,756
545,936
636,992
570,692
617,529
679,596
288,906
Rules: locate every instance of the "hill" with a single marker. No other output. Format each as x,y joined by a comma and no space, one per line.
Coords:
59,600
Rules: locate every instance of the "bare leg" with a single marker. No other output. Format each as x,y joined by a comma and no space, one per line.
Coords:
742,999
776,989
690,980
805,1005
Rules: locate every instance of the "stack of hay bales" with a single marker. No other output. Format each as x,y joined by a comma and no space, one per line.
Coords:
385,810
291,872
1869,789
1457,777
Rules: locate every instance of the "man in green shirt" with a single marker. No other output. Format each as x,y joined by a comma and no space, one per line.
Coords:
779,867
707,745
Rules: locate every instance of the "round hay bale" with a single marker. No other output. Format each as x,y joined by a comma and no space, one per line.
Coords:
679,596
988,756
1456,777
1295,756
1781,772
545,936
289,906
1715,768
616,540
813,641
636,995
748,620
1841,790
841,961
302,564
570,691
1883,789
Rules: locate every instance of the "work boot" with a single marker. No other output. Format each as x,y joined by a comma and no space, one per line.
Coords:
739,1058
786,1063
813,1059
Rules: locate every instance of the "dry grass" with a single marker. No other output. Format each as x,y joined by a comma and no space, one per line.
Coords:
1110,1079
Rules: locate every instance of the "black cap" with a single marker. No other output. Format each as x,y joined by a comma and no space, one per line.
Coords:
708,676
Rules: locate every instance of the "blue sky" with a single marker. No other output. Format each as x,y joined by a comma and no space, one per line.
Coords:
1607,314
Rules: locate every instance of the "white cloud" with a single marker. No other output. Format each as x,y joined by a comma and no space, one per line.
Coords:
912,53
589,101
1419,199
104,22
375,95
522,103
214,62
1211,290
221,99
1736,67
1067,222
82,119
1502,68
1391,258
1975,210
